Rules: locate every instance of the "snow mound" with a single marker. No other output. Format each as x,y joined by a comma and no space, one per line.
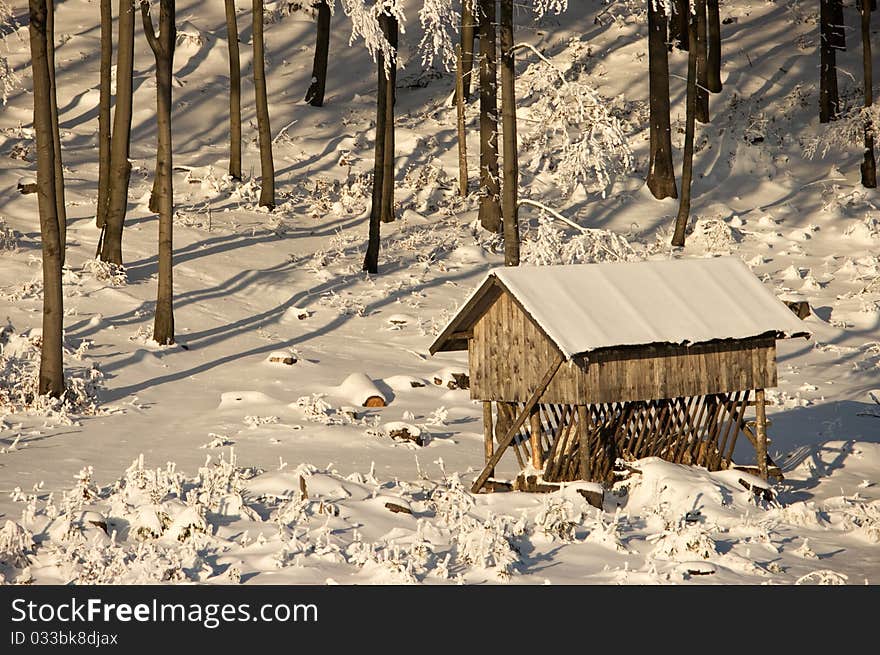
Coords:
359,389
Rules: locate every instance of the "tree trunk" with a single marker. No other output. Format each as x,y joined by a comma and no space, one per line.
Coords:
371,258
389,29
661,172
315,94
490,207
104,114
829,99
468,28
684,207
508,121
120,168
51,380
461,125
267,166
680,20
61,210
869,165
714,33
234,92
162,46
702,63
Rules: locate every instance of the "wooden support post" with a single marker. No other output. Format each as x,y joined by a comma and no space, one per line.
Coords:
761,429
488,432
504,442
584,449
535,437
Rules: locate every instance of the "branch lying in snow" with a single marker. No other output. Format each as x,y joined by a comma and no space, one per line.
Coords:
555,214
283,129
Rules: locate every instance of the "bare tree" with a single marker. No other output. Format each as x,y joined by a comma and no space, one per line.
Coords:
461,125
61,210
684,207
714,47
510,186
110,243
661,172
831,39
390,30
104,114
51,377
234,91
466,53
315,94
383,162
869,165
267,165
702,62
490,207
679,24
162,45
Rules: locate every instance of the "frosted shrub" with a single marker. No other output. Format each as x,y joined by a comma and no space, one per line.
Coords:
487,544
683,540
114,274
551,246
8,236
557,519
15,544
575,135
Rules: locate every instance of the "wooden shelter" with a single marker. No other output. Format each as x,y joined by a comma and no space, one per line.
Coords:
580,365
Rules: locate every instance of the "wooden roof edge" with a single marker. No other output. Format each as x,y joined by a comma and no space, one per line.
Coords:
449,340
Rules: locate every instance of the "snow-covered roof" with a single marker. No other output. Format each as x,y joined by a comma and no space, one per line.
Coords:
585,307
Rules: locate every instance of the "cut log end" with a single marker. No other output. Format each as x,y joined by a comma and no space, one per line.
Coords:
398,509
375,401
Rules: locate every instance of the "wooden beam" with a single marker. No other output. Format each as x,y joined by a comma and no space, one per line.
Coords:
488,431
584,449
761,430
535,437
504,442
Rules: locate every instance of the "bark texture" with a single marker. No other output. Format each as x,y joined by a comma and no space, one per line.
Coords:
684,207
661,172
51,376
162,45
120,168
315,93
714,35
234,91
104,114
267,165
60,209
490,206
869,164
508,119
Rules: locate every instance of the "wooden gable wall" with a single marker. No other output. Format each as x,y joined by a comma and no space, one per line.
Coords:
509,354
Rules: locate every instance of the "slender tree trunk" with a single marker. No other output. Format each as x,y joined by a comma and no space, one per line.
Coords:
371,258
61,211
389,29
120,168
468,29
508,121
829,98
702,63
267,166
162,46
684,207
315,94
461,126
234,91
104,114
680,20
714,34
490,207
661,173
51,380
869,165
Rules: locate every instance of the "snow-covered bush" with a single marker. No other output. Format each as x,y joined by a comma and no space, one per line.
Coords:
549,245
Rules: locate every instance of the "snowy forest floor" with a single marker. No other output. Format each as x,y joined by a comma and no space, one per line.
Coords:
250,283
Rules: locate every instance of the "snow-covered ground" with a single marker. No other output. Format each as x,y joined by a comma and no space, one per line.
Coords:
279,474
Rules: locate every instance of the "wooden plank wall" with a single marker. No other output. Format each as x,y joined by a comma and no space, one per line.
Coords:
509,353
